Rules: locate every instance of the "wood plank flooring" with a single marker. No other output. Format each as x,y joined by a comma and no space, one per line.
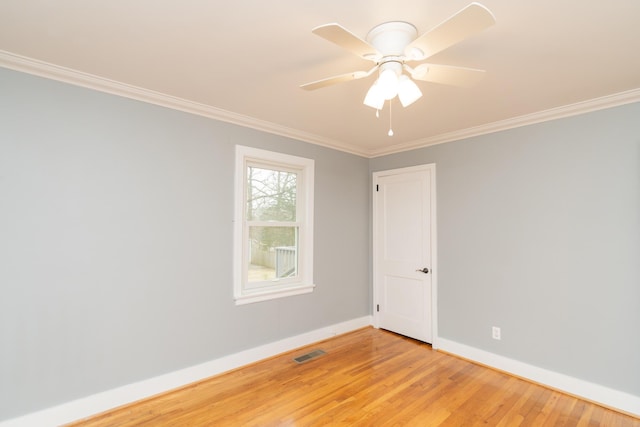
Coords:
368,377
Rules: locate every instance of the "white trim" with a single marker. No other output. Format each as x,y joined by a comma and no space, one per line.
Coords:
100,402
272,294
593,392
434,260
575,109
434,244
78,78
305,168
90,81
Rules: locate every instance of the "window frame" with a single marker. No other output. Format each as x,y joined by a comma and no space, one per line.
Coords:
245,292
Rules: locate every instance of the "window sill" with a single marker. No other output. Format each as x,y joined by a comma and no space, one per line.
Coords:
265,295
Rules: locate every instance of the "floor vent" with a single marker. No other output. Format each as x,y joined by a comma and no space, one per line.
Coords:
309,356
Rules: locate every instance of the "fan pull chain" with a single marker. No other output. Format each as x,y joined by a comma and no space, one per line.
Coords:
390,127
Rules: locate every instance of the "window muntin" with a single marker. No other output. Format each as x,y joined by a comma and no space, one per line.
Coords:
274,225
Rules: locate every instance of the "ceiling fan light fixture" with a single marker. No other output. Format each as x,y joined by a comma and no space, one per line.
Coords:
388,83
408,91
374,98
391,45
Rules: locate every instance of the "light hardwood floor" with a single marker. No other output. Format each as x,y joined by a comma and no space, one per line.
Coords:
367,377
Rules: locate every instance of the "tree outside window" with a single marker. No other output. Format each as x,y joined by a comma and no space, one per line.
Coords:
271,199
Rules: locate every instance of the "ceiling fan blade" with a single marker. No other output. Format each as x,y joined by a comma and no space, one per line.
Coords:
469,21
355,75
447,74
344,38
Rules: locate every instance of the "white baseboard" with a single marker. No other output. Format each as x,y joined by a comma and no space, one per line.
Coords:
90,405
615,399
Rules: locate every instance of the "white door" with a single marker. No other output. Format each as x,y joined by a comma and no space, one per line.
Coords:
403,253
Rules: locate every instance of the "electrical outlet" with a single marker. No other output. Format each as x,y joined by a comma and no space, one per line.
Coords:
495,333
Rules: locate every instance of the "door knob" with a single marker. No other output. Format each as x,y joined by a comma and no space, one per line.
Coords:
423,270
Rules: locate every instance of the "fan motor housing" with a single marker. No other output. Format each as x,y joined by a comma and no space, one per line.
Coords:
391,38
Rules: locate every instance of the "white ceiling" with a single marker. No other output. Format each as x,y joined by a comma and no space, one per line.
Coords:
243,61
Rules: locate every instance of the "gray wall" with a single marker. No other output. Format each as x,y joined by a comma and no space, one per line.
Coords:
116,243
539,233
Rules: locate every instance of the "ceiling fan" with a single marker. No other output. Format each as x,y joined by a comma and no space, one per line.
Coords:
392,45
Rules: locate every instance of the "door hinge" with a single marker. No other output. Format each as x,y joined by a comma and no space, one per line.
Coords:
377,307
377,187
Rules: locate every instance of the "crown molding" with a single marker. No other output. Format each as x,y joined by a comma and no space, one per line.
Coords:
90,81
578,108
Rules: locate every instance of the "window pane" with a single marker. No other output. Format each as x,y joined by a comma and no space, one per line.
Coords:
273,253
271,195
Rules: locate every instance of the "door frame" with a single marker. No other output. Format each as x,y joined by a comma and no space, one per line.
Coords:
376,242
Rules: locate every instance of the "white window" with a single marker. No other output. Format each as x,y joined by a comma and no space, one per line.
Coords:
273,225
